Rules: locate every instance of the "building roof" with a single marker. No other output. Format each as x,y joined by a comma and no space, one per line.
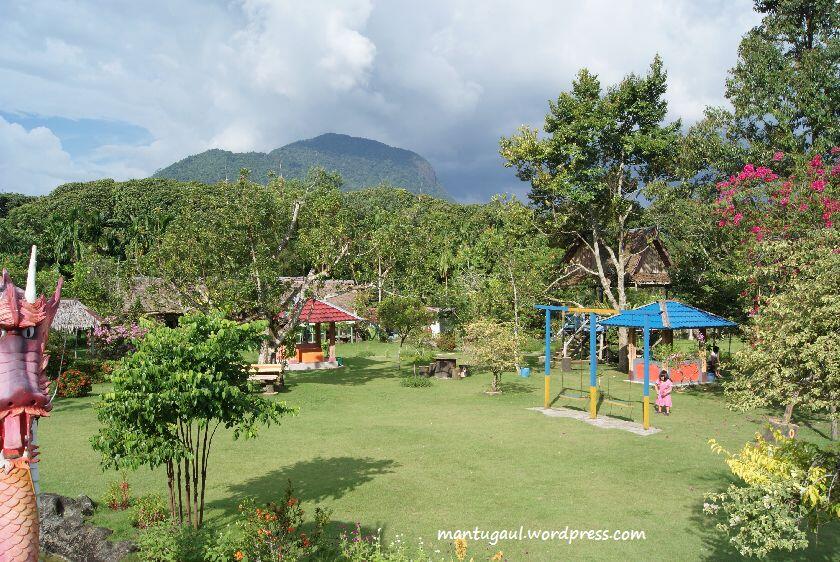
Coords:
647,264
342,293
72,315
668,315
315,310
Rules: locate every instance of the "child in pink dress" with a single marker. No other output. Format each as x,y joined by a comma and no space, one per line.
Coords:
663,393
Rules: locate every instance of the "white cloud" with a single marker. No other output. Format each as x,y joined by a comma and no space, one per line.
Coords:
445,78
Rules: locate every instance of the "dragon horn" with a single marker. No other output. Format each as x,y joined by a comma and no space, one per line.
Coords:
29,294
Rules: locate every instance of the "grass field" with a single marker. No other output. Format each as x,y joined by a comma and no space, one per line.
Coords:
413,461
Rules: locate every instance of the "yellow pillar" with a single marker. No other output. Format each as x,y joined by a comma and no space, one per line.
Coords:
646,413
593,402
547,400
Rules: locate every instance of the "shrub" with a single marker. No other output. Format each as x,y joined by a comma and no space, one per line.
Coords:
93,367
447,341
166,542
414,381
149,510
268,531
117,495
73,383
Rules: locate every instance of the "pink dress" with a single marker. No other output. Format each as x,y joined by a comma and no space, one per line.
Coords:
664,396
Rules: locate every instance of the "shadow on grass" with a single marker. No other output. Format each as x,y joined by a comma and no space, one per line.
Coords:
314,480
356,371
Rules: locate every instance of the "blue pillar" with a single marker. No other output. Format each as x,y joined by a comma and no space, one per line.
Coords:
593,366
547,342
646,391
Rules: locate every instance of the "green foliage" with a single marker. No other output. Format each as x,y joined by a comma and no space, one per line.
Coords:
361,162
492,346
447,341
167,542
787,488
73,383
403,315
785,86
415,381
149,510
171,394
795,333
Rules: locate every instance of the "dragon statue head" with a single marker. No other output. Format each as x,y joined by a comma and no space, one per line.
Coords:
25,321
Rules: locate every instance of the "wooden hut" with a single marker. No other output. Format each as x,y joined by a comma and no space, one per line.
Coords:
647,266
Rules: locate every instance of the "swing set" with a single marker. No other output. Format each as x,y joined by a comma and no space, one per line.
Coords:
605,396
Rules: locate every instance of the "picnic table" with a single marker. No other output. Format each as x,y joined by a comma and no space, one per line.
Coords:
270,375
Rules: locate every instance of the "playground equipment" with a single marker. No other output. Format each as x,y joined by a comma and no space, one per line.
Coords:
593,350
664,316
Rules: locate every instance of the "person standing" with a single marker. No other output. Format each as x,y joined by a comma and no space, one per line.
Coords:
663,393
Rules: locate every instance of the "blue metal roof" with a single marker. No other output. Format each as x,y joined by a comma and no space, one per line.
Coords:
668,315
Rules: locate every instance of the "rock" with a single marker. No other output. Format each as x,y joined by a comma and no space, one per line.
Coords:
65,533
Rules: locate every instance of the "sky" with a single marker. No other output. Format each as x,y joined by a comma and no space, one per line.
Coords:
120,89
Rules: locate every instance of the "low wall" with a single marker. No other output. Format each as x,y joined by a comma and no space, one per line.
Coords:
687,372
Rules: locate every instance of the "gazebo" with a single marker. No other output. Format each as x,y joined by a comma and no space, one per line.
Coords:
664,316
316,312
73,317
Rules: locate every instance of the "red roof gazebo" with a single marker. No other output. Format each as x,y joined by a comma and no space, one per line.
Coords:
316,312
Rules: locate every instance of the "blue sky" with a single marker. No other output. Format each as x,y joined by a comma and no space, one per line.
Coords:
121,89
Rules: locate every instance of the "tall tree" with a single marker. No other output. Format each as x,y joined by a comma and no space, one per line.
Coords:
785,87
600,147
235,245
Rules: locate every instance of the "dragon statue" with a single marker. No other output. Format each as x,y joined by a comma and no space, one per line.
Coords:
25,321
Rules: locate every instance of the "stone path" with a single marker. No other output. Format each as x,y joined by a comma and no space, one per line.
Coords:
600,421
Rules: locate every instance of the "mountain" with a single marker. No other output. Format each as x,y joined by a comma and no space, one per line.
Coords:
361,162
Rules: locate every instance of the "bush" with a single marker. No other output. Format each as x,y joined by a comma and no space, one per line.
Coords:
447,341
166,542
73,383
149,510
117,495
93,367
414,381
275,528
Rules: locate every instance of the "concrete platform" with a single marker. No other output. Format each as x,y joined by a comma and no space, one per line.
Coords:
600,421
312,366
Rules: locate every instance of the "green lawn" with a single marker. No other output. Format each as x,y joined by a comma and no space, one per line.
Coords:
415,460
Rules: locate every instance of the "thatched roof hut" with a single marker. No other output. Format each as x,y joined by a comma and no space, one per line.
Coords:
73,316
647,266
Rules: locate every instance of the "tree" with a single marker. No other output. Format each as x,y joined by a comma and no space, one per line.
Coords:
170,397
792,264
235,246
586,173
404,316
785,87
492,346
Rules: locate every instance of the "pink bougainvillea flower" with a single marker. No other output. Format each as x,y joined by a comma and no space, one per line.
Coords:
778,155
737,219
835,171
835,149
721,223
803,206
818,185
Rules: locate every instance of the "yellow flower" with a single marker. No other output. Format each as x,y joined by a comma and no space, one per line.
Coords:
460,549
498,556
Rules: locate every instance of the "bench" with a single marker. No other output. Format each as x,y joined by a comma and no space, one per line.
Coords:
270,375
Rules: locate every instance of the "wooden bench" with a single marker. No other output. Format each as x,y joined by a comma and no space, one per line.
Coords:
270,375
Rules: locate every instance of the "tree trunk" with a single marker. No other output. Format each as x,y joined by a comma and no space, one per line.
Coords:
835,426
789,411
170,482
